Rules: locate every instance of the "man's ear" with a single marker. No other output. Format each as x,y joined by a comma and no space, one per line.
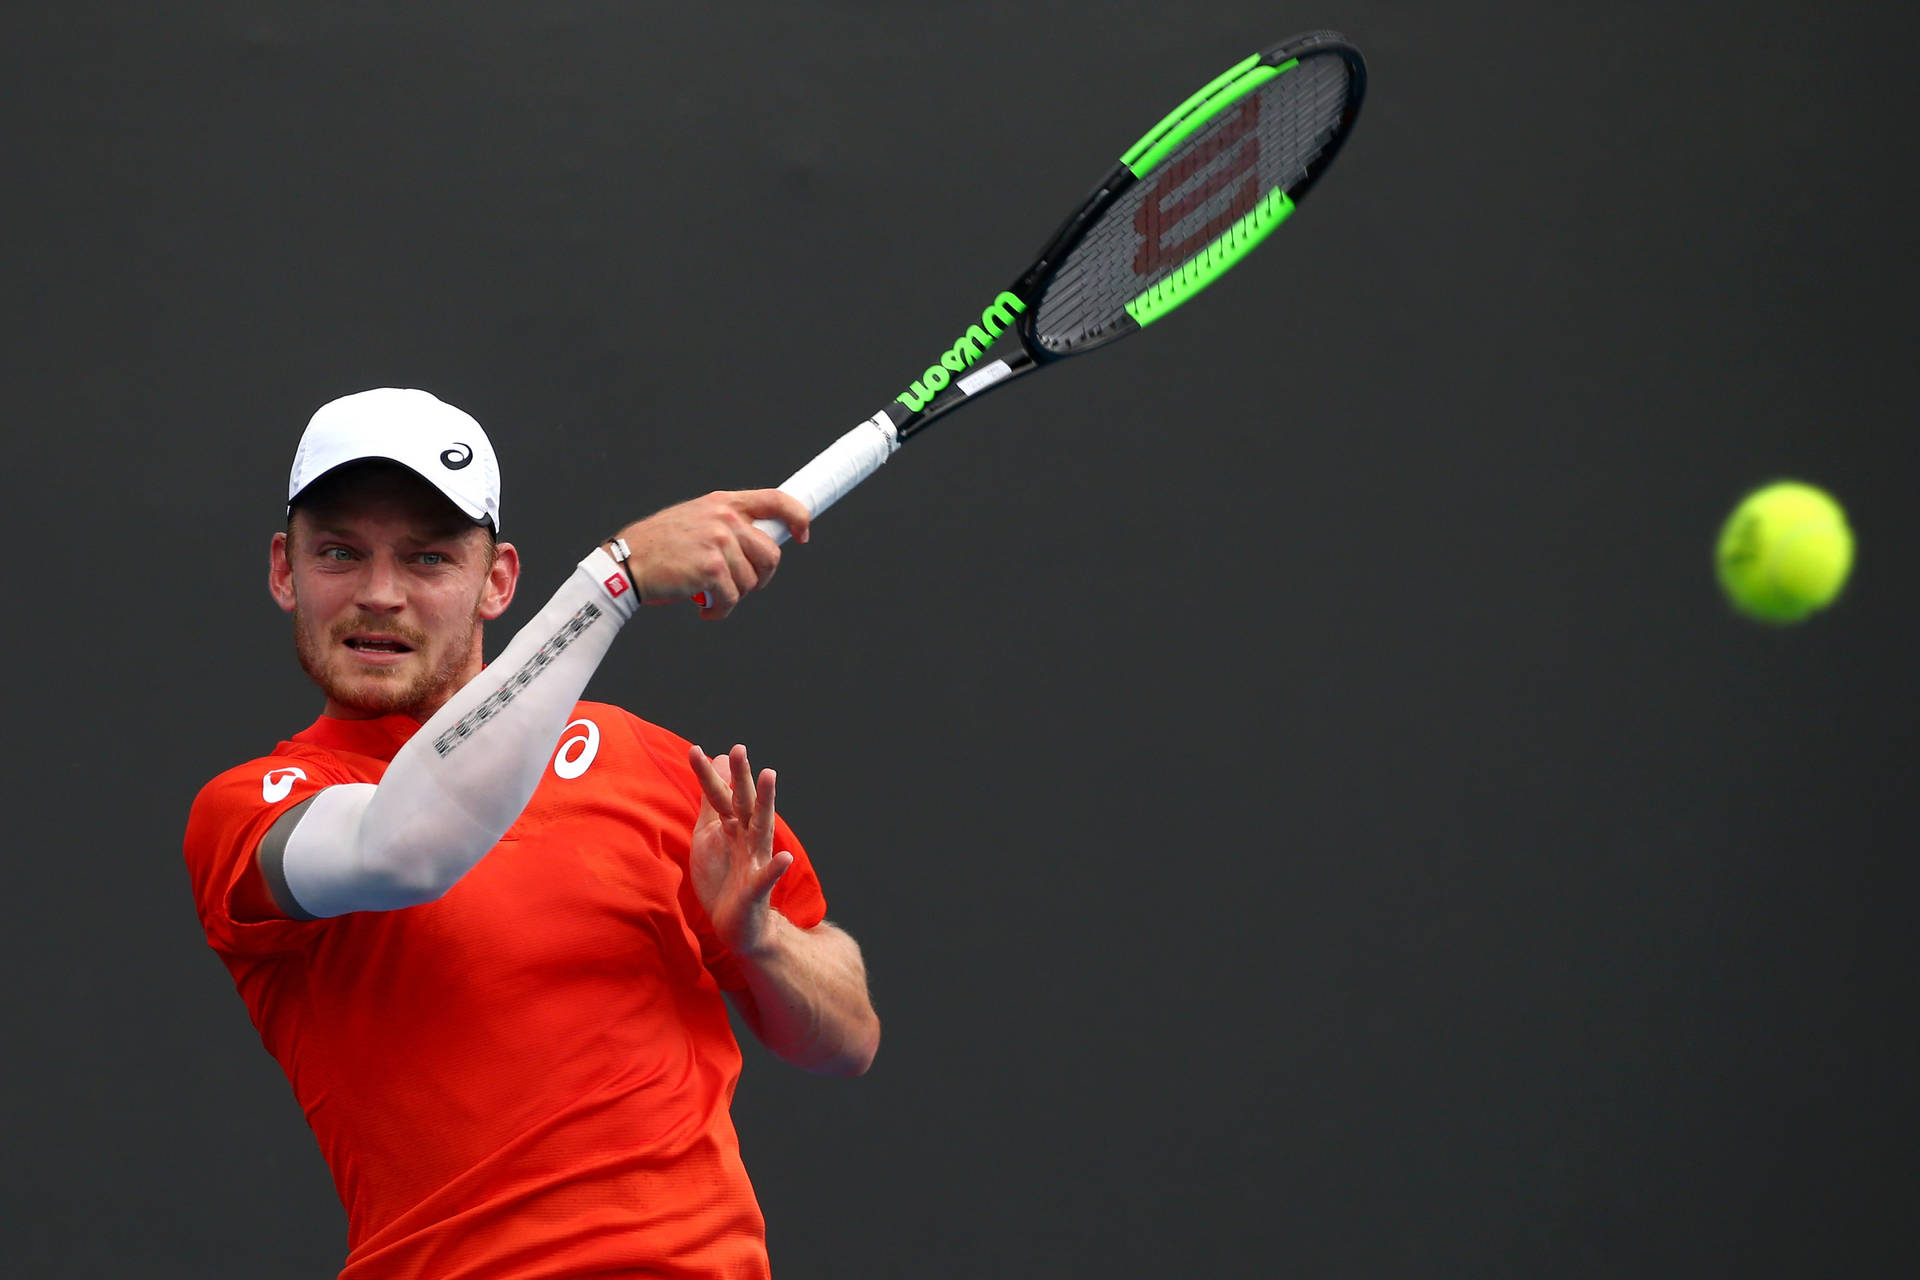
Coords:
280,573
502,579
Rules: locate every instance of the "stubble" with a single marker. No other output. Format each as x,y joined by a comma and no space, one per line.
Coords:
373,690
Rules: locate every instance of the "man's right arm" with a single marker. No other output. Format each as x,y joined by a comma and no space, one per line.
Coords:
453,790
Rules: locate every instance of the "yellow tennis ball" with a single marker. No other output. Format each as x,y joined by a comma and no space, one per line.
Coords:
1785,552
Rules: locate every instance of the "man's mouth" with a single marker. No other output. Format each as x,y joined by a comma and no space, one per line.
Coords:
377,644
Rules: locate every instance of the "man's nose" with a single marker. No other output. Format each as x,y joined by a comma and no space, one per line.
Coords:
382,588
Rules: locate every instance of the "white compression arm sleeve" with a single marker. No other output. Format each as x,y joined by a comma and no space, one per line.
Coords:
456,786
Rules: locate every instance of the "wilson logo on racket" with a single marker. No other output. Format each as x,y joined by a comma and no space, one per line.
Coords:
1156,217
961,355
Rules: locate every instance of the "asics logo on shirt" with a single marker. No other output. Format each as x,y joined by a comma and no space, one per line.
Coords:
578,750
275,784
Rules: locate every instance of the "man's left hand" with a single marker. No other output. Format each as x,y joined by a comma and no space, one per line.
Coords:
733,859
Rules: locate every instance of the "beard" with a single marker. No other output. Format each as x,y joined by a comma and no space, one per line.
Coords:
418,689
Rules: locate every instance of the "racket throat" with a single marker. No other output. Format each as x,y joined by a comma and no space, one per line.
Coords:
967,350
983,358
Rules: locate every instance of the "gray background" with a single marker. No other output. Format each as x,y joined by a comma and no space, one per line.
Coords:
1305,805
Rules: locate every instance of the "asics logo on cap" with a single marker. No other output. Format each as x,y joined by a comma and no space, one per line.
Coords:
457,457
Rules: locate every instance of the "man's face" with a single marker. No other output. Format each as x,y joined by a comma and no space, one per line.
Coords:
388,585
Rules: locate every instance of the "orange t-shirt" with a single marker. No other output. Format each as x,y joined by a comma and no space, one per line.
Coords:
530,1076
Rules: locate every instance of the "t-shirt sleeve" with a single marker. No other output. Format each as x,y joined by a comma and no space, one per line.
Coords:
228,818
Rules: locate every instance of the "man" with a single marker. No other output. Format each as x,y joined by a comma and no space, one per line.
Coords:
488,930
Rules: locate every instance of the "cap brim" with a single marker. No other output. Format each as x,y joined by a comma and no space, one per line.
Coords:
477,514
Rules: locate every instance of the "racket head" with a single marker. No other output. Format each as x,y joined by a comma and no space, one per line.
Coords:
1194,195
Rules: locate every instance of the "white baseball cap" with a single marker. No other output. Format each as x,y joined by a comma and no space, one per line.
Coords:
416,429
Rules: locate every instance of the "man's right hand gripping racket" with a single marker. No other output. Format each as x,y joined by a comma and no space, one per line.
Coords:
1186,202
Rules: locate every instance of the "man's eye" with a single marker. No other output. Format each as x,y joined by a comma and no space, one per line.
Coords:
339,554
433,557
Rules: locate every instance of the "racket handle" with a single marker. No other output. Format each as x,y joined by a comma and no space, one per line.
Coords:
833,473
837,469
775,529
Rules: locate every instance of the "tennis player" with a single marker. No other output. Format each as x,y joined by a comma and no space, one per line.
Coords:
488,930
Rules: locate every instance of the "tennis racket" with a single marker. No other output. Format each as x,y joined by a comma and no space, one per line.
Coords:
1187,202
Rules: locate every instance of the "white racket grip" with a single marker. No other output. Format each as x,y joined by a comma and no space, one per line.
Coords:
833,473
836,469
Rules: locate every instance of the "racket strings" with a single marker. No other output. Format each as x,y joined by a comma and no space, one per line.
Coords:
1266,142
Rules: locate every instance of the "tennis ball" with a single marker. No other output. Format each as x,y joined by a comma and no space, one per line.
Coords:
1785,552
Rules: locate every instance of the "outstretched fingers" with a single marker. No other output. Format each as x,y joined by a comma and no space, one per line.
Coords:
737,794
761,830
742,784
713,786
753,800
769,875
